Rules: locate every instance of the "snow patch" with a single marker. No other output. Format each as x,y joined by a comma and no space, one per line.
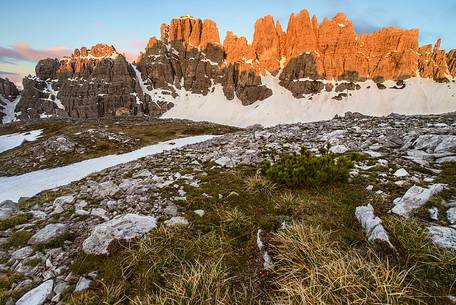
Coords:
11,141
420,96
12,188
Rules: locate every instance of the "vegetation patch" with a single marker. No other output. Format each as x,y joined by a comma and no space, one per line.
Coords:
307,170
15,220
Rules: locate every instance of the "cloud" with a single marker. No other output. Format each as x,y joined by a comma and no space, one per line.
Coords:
16,78
137,43
6,73
21,51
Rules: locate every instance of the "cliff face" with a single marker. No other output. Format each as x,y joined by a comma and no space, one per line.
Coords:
8,94
90,83
307,58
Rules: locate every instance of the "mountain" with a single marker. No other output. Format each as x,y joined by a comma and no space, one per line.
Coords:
311,71
8,98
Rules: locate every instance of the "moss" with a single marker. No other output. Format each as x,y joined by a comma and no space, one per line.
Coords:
57,242
15,220
17,239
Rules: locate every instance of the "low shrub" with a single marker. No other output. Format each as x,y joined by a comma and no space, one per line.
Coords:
307,170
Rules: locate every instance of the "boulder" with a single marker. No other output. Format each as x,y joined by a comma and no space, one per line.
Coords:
7,208
372,224
48,233
415,198
121,228
38,295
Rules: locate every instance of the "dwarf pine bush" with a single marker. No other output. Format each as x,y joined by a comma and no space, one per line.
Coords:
307,170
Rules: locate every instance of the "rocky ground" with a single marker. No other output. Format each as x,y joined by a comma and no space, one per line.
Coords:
207,217
66,141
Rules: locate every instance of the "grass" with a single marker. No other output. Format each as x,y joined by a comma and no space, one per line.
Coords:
141,131
17,239
312,269
321,257
15,220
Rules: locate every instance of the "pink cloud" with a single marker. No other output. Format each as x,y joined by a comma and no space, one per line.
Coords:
137,43
23,51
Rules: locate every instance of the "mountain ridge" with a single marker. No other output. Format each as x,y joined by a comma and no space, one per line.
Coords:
308,59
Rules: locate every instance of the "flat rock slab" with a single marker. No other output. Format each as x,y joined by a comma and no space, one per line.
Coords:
48,233
443,237
415,198
38,295
121,228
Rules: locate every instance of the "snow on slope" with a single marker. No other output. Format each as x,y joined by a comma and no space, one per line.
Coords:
12,188
420,96
11,141
9,109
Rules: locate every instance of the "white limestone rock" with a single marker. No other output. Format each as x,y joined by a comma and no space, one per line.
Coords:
401,173
38,295
48,233
124,227
415,198
443,237
176,221
372,224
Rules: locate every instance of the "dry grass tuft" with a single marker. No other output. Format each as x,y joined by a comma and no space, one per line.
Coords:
195,283
259,184
312,269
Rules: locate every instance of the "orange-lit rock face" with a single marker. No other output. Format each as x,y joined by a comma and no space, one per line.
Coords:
84,58
267,42
194,32
391,53
451,61
237,50
433,62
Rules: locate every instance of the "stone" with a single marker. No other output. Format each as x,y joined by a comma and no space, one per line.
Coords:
339,149
99,212
225,162
414,198
176,221
64,200
38,295
22,253
7,208
443,237
451,215
372,224
82,284
200,213
48,233
121,228
434,213
401,173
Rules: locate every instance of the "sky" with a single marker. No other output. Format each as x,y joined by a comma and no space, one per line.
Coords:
31,30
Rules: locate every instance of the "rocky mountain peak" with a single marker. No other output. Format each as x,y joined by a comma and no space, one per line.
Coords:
99,50
193,32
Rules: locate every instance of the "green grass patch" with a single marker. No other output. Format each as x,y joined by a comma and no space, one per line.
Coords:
15,220
307,170
17,239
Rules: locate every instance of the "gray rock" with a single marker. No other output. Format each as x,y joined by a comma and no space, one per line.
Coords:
443,237
7,208
176,221
48,233
38,295
121,228
451,215
22,253
82,284
372,224
414,198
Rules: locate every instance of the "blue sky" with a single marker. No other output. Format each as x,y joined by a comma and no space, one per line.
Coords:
33,29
